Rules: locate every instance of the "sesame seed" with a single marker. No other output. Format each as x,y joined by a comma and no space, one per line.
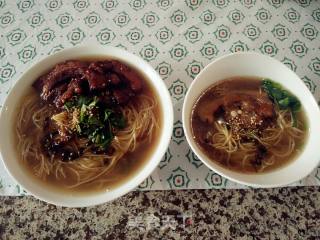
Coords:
233,114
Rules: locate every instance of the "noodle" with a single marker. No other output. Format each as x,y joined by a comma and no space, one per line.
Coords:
89,167
224,140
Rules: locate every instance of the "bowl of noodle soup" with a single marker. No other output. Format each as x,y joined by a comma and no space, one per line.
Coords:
252,120
85,126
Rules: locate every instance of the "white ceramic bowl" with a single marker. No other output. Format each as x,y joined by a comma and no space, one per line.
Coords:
8,151
254,64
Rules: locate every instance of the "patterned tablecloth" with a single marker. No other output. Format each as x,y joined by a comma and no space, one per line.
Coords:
178,38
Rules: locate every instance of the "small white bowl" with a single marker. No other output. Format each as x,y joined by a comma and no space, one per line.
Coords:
8,150
254,64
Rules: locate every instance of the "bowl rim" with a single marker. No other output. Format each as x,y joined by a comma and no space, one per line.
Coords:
199,153
145,170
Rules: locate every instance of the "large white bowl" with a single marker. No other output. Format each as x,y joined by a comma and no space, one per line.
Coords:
8,150
254,64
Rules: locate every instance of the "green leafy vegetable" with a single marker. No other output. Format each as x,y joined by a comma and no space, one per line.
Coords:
68,105
79,101
97,122
283,98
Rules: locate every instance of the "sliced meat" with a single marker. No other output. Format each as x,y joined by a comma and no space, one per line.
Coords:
122,96
101,66
259,104
133,78
266,108
56,93
38,84
77,77
242,112
61,72
56,145
245,112
74,87
113,79
207,110
96,80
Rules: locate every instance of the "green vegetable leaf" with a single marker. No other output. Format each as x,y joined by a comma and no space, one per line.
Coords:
94,120
78,128
294,119
83,100
119,122
283,98
107,114
295,104
97,122
94,102
284,103
68,105
83,112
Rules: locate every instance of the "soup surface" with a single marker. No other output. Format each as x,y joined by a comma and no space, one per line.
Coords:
249,124
87,126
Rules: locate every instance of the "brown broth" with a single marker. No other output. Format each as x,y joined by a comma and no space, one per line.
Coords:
200,128
126,168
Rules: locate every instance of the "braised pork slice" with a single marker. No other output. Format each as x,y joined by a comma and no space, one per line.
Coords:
245,113
134,80
61,72
74,77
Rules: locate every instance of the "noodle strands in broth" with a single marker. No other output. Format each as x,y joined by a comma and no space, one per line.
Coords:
87,125
248,124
